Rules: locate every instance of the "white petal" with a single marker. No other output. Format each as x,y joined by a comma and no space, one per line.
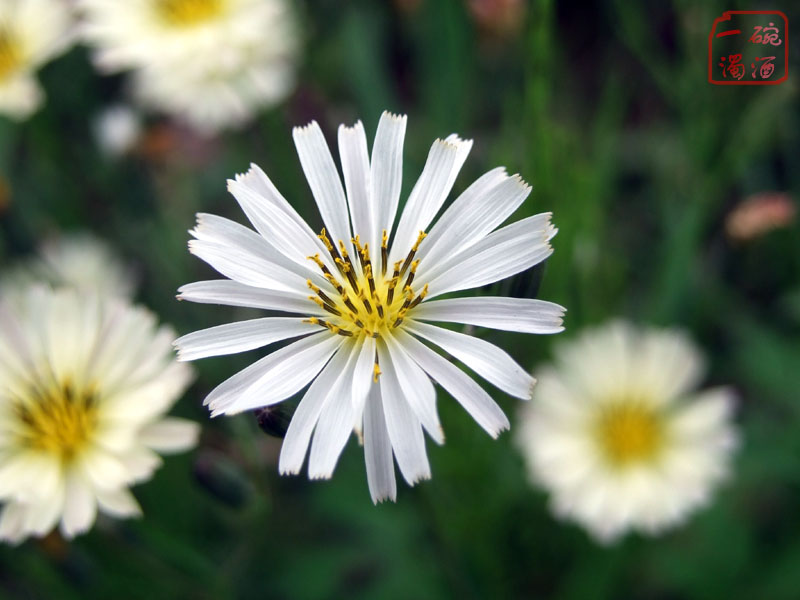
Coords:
355,166
276,376
118,503
80,507
101,469
487,360
295,444
233,293
405,433
170,435
444,162
403,373
246,267
510,314
469,394
141,462
274,218
704,416
362,376
484,205
501,254
386,176
12,523
239,337
335,423
378,450
323,178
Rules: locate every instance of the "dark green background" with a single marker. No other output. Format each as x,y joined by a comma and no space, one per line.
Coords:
604,107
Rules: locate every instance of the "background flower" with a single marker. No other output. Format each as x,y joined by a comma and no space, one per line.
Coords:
31,33
84,385
212,63
619,436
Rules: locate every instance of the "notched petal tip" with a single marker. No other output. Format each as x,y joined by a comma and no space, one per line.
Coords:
305,129
395,117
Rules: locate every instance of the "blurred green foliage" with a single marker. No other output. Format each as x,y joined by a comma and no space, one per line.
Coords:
605,108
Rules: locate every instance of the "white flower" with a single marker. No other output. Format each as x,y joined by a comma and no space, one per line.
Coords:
116,130
78,260
213,63
31,33
618,435
84,385
362,301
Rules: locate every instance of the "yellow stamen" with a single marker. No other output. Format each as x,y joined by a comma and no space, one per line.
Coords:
630,432
186,13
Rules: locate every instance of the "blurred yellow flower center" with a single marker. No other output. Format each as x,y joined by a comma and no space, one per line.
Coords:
370,300
10,55
185,13
60,420
630,432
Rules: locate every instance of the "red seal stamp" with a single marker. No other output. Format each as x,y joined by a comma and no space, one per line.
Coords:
749,47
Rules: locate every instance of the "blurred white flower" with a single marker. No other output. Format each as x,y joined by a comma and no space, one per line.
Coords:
31,33
84,385
618,435
117,129
362,301
212,63
77,260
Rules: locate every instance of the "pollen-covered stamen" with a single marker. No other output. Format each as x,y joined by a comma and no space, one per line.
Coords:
347,302
327,324
376,371
325,298
419,298
329,307
362,296
422,235
393,283
370,279
328,245
384,252
325,270
412,273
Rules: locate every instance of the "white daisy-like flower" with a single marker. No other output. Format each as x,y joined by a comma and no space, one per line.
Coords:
362,301
212,63
85,382
31,33
619,436
78,260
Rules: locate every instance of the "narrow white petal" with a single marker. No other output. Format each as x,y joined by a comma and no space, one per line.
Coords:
233,293
405,433
12,522
355,166
362,376
246,267
444,162
461,386
80,507
386,175
335,423
484,205
418,390
170,435
239,337
275,219
501,254
279,375
487,360
378,450
101,469
523,315
118,503
295,444
324,181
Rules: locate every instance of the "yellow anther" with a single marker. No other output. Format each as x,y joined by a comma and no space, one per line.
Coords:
312,320
343,266
317,300
342,249
384,239
313,287
414,266
316,259
365,253
324,237
422,235
376,372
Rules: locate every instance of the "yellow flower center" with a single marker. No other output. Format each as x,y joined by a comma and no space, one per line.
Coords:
59,420
10,54
369,301
629,433
186,13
